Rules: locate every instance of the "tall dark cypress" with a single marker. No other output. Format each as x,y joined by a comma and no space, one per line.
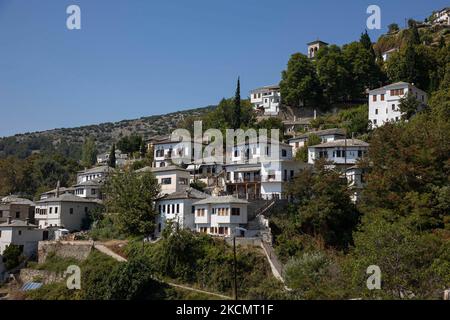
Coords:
112,157
237,106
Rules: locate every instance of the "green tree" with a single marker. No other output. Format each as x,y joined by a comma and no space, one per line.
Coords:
333,74
364,71
325,209
404,256
131,195
393,27
130,144
89,152
12,256
367,43
112,156
299,85
409,106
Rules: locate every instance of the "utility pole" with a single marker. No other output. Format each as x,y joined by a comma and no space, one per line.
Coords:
235,268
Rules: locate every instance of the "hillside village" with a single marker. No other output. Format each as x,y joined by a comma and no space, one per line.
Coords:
250,198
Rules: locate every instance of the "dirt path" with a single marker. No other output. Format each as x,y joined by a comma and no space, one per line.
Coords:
105,250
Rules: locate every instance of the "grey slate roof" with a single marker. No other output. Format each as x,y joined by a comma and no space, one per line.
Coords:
99,169
320,133
67,198
161,169
221,200
18,223
190,193
341,143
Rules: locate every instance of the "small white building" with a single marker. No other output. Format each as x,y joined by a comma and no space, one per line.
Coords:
442,17
314,47
356,178
267,100
64,211
121,158
96,173
326,135
340,152
219,216
20,233
384,102
387,54
89,189
255,152
178,208
171,179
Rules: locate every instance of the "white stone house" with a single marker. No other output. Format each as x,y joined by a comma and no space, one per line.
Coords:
384,102
386,55
275,175
96,173
442,16
326,135
340,152
64,211
266,99
166,151
178,208
219,216
89,189
171,179
356,178
20,233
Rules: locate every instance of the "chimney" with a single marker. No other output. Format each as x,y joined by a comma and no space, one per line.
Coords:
57,188
295,118
9,220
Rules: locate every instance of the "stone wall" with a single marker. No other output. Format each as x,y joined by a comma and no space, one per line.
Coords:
42,276
79,250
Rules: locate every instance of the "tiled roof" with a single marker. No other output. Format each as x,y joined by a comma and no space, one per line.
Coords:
99,169
187,194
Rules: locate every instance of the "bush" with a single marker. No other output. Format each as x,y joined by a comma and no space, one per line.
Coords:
12,256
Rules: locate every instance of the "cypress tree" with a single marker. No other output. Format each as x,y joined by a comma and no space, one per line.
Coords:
237,106
112,157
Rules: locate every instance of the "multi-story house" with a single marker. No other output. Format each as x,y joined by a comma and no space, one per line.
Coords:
22,234
166,151
89,189
219,216
171,179
178,208
16,208
267,100
63,211
339,152
243,174
356,178
442,17
96,173
275,175
384,102
326,135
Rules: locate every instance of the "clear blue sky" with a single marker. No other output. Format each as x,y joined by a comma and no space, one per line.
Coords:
137,58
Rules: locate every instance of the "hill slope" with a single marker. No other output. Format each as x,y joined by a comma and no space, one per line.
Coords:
68,141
